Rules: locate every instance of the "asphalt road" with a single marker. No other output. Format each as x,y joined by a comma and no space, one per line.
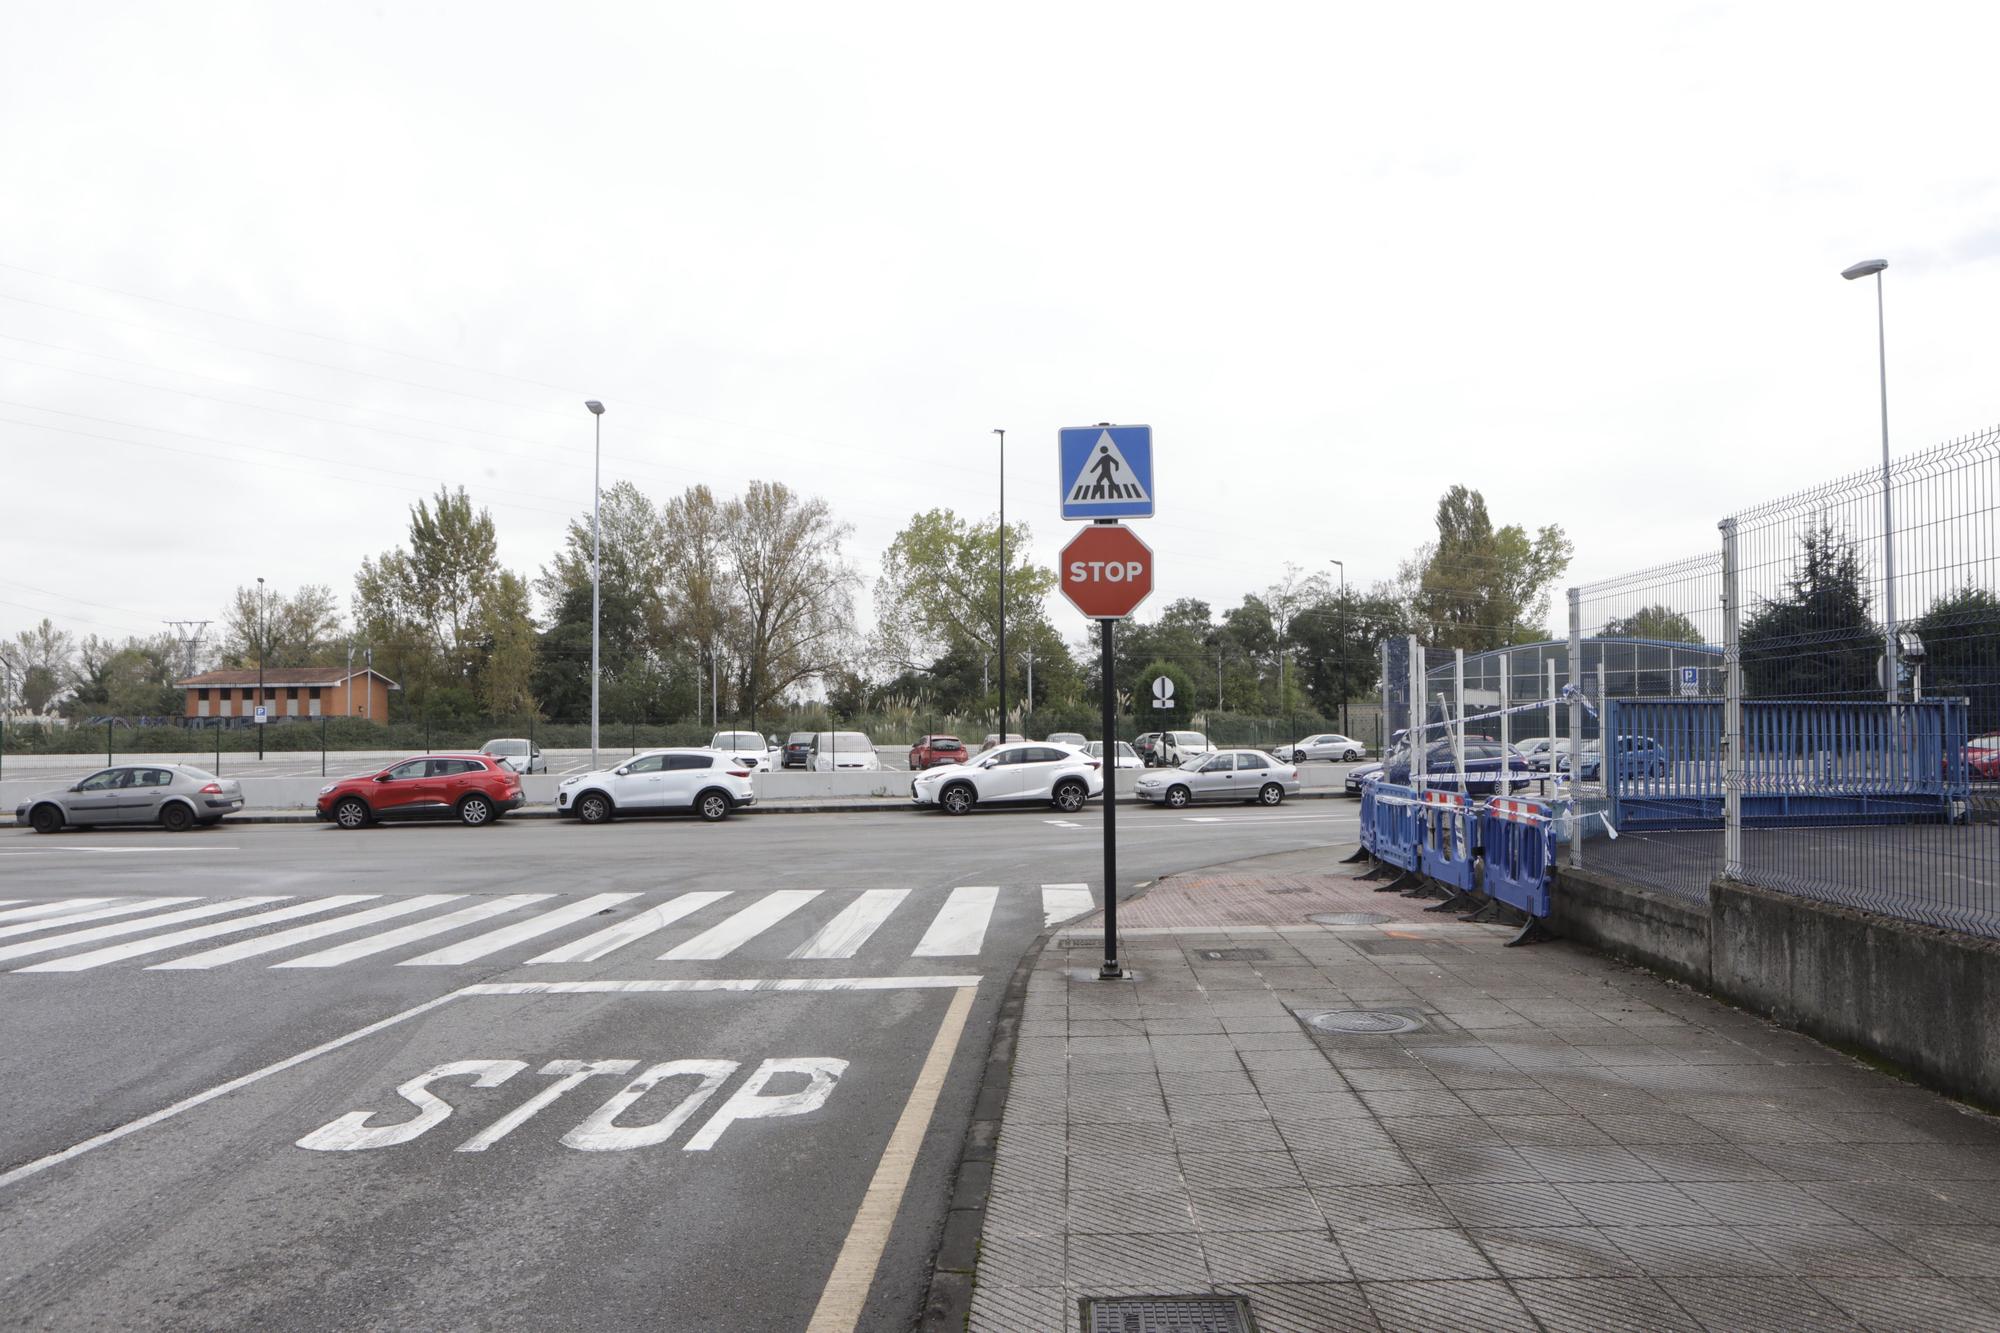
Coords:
328,1110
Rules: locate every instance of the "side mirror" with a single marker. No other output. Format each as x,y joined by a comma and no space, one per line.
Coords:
621,772
382,777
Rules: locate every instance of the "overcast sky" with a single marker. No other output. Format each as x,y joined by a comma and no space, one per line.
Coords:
270,272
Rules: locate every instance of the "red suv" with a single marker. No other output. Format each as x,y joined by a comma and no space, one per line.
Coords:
471,788
933,751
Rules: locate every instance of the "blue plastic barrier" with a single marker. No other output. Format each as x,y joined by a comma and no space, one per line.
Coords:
1517,839
1368,817
1398,827
1447,846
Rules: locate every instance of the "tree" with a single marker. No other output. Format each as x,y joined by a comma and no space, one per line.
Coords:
507,641
698,599
939,589
428,602
794,594
302,629
1817,640
1652,622
1145,715
132,679
42,662
1482,587
1961,634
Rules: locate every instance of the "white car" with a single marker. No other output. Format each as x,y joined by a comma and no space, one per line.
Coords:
844,751
1327,745
749,749
1226,775
523,756
1074,738
707,782
1060,775
1175,746
1127,756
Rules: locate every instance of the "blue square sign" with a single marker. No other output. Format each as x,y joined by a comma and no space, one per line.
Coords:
1107,471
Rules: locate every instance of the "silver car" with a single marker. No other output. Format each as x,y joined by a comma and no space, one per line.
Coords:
173,796
1327,745
1226,775
523,756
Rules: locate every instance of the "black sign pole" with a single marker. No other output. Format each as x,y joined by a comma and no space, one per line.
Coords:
1111,971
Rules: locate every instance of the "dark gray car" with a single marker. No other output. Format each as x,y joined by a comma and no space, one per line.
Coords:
174,797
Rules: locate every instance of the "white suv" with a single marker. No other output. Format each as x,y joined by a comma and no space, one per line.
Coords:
747,748
707,782
1061,775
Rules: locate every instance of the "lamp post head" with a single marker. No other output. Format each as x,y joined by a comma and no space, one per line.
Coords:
1864,268
596,408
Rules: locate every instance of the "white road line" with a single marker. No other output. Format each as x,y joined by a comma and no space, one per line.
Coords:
1063,823
493,941
116,851
53,909
635,927
758,917
115,907
5,901
118,928
843,936
410,934
173,939
662,987
845,1295
1063,902
960,927
285,939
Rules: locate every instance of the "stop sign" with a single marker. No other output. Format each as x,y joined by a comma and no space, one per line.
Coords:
1106,571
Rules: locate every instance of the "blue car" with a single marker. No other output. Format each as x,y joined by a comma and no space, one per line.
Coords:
1637,757
1486,762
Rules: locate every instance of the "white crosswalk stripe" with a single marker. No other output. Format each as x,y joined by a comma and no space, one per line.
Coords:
285,939
746,925
960,927
1063,902
35,910
421,930
493,941
843,936
113,907
635,927
116,929
174,939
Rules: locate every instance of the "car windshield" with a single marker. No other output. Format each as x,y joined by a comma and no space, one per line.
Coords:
799,738
507,747
1193,762
738,740
844,741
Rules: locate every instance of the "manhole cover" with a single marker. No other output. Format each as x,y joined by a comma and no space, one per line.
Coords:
1232,955
1364,1022
1167,1314
1350,918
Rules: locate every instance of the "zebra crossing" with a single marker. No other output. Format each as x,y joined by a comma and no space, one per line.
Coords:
441,930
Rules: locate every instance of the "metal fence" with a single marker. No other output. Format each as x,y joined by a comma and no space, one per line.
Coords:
1858,676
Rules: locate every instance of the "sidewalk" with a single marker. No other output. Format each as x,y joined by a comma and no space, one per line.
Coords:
1562,1142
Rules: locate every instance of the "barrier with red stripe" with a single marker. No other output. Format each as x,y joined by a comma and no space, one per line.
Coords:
1517,840
1398,826
1448,844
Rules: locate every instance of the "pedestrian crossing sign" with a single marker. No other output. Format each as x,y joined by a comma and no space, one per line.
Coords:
1107,471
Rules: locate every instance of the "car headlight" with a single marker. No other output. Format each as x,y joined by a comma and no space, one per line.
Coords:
327,788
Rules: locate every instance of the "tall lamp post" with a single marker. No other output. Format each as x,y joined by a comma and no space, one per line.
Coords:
263,650
1889,664
596,559
1002,729
1343,645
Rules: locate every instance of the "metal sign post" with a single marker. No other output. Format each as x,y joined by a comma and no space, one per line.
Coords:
1110,970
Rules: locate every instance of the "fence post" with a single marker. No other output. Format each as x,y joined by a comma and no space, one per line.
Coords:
1506,732
1458,714
218,747
322,744
108,761
1732,707
1575,727
1420,746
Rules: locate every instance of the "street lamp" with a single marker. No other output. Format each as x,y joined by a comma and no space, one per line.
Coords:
1851,272
1343,645
1002,728
596,559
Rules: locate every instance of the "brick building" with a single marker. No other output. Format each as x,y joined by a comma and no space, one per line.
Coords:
290,692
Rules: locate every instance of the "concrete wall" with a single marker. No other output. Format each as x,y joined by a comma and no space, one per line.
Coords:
1920,998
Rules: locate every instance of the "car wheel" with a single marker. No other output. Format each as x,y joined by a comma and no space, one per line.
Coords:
957,799
1178,797
1070,796
593,808
474,811
176,818
712,806
1350,756
45,819
351,812
1270,794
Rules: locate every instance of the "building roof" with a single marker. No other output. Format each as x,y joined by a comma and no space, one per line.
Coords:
282,677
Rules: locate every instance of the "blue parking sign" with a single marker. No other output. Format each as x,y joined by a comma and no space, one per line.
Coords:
1107,471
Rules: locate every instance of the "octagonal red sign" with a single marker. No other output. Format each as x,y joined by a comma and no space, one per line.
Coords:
1106,571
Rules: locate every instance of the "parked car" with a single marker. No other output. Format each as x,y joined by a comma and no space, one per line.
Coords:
933,751
1059,775
1982,757
474,789
174,796
1327,745
851,751
1359,775
523,756
994,738
1225,775
1074,738
1485,762
1146,742
1127,756
708,782
1174,746
1638,757
750,750
798,750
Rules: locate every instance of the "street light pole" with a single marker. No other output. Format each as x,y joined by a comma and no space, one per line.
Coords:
1002,728
596,559
263,650
1889,664
1343,645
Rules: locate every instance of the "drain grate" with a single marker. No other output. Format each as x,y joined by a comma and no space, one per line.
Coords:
1350,918
1233,955
1167,1314
1363,1022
